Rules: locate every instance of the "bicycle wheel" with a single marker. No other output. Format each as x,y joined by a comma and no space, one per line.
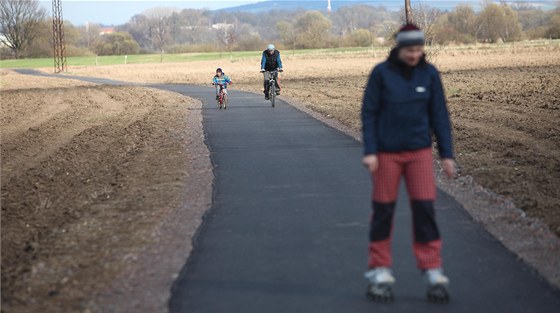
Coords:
273,95
225,101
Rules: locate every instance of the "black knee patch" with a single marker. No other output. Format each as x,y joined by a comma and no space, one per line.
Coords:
425,227
382,221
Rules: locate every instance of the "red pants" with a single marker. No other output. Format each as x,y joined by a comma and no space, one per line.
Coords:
416,166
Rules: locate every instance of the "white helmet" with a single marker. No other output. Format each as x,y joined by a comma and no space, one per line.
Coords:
271,47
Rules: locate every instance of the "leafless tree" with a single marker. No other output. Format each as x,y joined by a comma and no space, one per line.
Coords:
522,6
159,32
88,34
499,22
465,20
159,27
227,36
426,17
313,30
288,34
19,23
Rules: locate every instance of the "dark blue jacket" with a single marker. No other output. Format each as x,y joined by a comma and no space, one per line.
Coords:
271,62
402,107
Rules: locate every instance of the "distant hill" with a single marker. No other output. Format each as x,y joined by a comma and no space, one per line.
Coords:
321,5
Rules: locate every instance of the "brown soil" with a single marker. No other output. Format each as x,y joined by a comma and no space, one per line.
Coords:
10,80
90,178
507,129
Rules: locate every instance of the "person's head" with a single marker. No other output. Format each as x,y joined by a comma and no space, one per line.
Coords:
410,44
271,48
219,72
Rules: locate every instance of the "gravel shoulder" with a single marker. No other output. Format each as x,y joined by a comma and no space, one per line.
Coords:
102,190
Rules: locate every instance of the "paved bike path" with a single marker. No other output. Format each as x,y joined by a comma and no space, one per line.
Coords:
288,227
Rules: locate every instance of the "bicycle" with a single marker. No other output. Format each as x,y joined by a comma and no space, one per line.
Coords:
222,97
273,77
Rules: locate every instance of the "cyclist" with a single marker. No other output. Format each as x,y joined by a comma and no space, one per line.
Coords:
270,62
220,79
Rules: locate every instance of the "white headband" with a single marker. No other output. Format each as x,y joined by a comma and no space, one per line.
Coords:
412,36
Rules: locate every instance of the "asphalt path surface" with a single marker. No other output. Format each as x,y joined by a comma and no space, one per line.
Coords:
288,226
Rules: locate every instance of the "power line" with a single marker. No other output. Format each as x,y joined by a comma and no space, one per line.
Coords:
58,38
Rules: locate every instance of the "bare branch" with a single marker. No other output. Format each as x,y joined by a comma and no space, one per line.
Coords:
19,23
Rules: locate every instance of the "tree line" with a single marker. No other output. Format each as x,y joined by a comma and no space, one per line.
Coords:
25,29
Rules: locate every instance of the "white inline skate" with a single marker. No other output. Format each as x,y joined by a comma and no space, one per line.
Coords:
437,285
381,281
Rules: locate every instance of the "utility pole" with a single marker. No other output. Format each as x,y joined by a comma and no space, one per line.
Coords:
408,11
58,38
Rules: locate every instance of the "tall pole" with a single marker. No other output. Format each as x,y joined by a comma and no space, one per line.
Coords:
58,38
408,11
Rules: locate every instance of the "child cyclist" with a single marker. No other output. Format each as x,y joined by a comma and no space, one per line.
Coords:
403,105
220,79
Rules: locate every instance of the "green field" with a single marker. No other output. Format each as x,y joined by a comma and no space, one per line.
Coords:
167,58
243,55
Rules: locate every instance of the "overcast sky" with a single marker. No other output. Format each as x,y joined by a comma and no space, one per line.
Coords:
118,12
109,12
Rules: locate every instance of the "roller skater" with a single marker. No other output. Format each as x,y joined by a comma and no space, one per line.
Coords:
404,105
381,281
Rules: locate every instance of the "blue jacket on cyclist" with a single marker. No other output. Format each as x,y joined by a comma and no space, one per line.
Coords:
220,79
223,80
270,62
271,59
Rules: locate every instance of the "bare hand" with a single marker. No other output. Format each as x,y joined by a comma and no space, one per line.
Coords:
448,167
371,163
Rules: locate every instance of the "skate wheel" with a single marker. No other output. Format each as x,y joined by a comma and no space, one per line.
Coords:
438,294
380,293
